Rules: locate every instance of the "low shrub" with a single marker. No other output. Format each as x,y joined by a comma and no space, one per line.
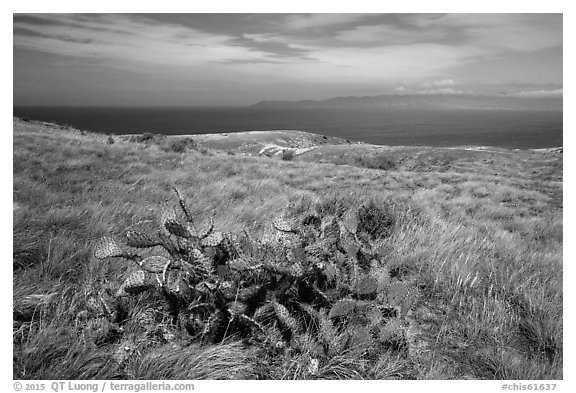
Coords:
287,155
376,162
179,144
147,138
375,220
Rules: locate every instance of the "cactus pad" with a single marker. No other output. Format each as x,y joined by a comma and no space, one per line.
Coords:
396,293
342,308
183,204
212,240
366,286
297,270
176,228
282,225
99,330
134,283
331,272
360,340
139,240
207,229
374,316
107,247
296,255
167,213
391,332
264,312
284,317
350,220
382,275
93,306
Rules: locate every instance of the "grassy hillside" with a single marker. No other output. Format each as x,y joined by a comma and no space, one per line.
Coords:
473,237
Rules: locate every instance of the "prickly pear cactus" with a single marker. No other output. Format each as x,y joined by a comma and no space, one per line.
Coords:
311,280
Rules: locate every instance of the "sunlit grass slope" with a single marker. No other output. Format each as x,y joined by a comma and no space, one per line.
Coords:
476,234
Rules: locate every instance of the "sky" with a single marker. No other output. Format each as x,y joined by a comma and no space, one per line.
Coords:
240,59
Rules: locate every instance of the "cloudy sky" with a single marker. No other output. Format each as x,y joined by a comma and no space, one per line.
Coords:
239,59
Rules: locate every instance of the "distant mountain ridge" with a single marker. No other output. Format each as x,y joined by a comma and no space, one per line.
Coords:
425,101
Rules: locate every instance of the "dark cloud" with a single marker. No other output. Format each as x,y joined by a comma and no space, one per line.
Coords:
23,32
275,49
78,21
45,20
249,61
228,24
72,39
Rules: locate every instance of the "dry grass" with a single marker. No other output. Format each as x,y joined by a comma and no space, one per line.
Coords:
228,361
479,234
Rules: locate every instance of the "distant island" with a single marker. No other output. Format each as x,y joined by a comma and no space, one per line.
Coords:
425,101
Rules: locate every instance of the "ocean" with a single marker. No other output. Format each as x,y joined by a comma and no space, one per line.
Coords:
396,127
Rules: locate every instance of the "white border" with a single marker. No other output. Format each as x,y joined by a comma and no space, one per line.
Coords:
248,6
